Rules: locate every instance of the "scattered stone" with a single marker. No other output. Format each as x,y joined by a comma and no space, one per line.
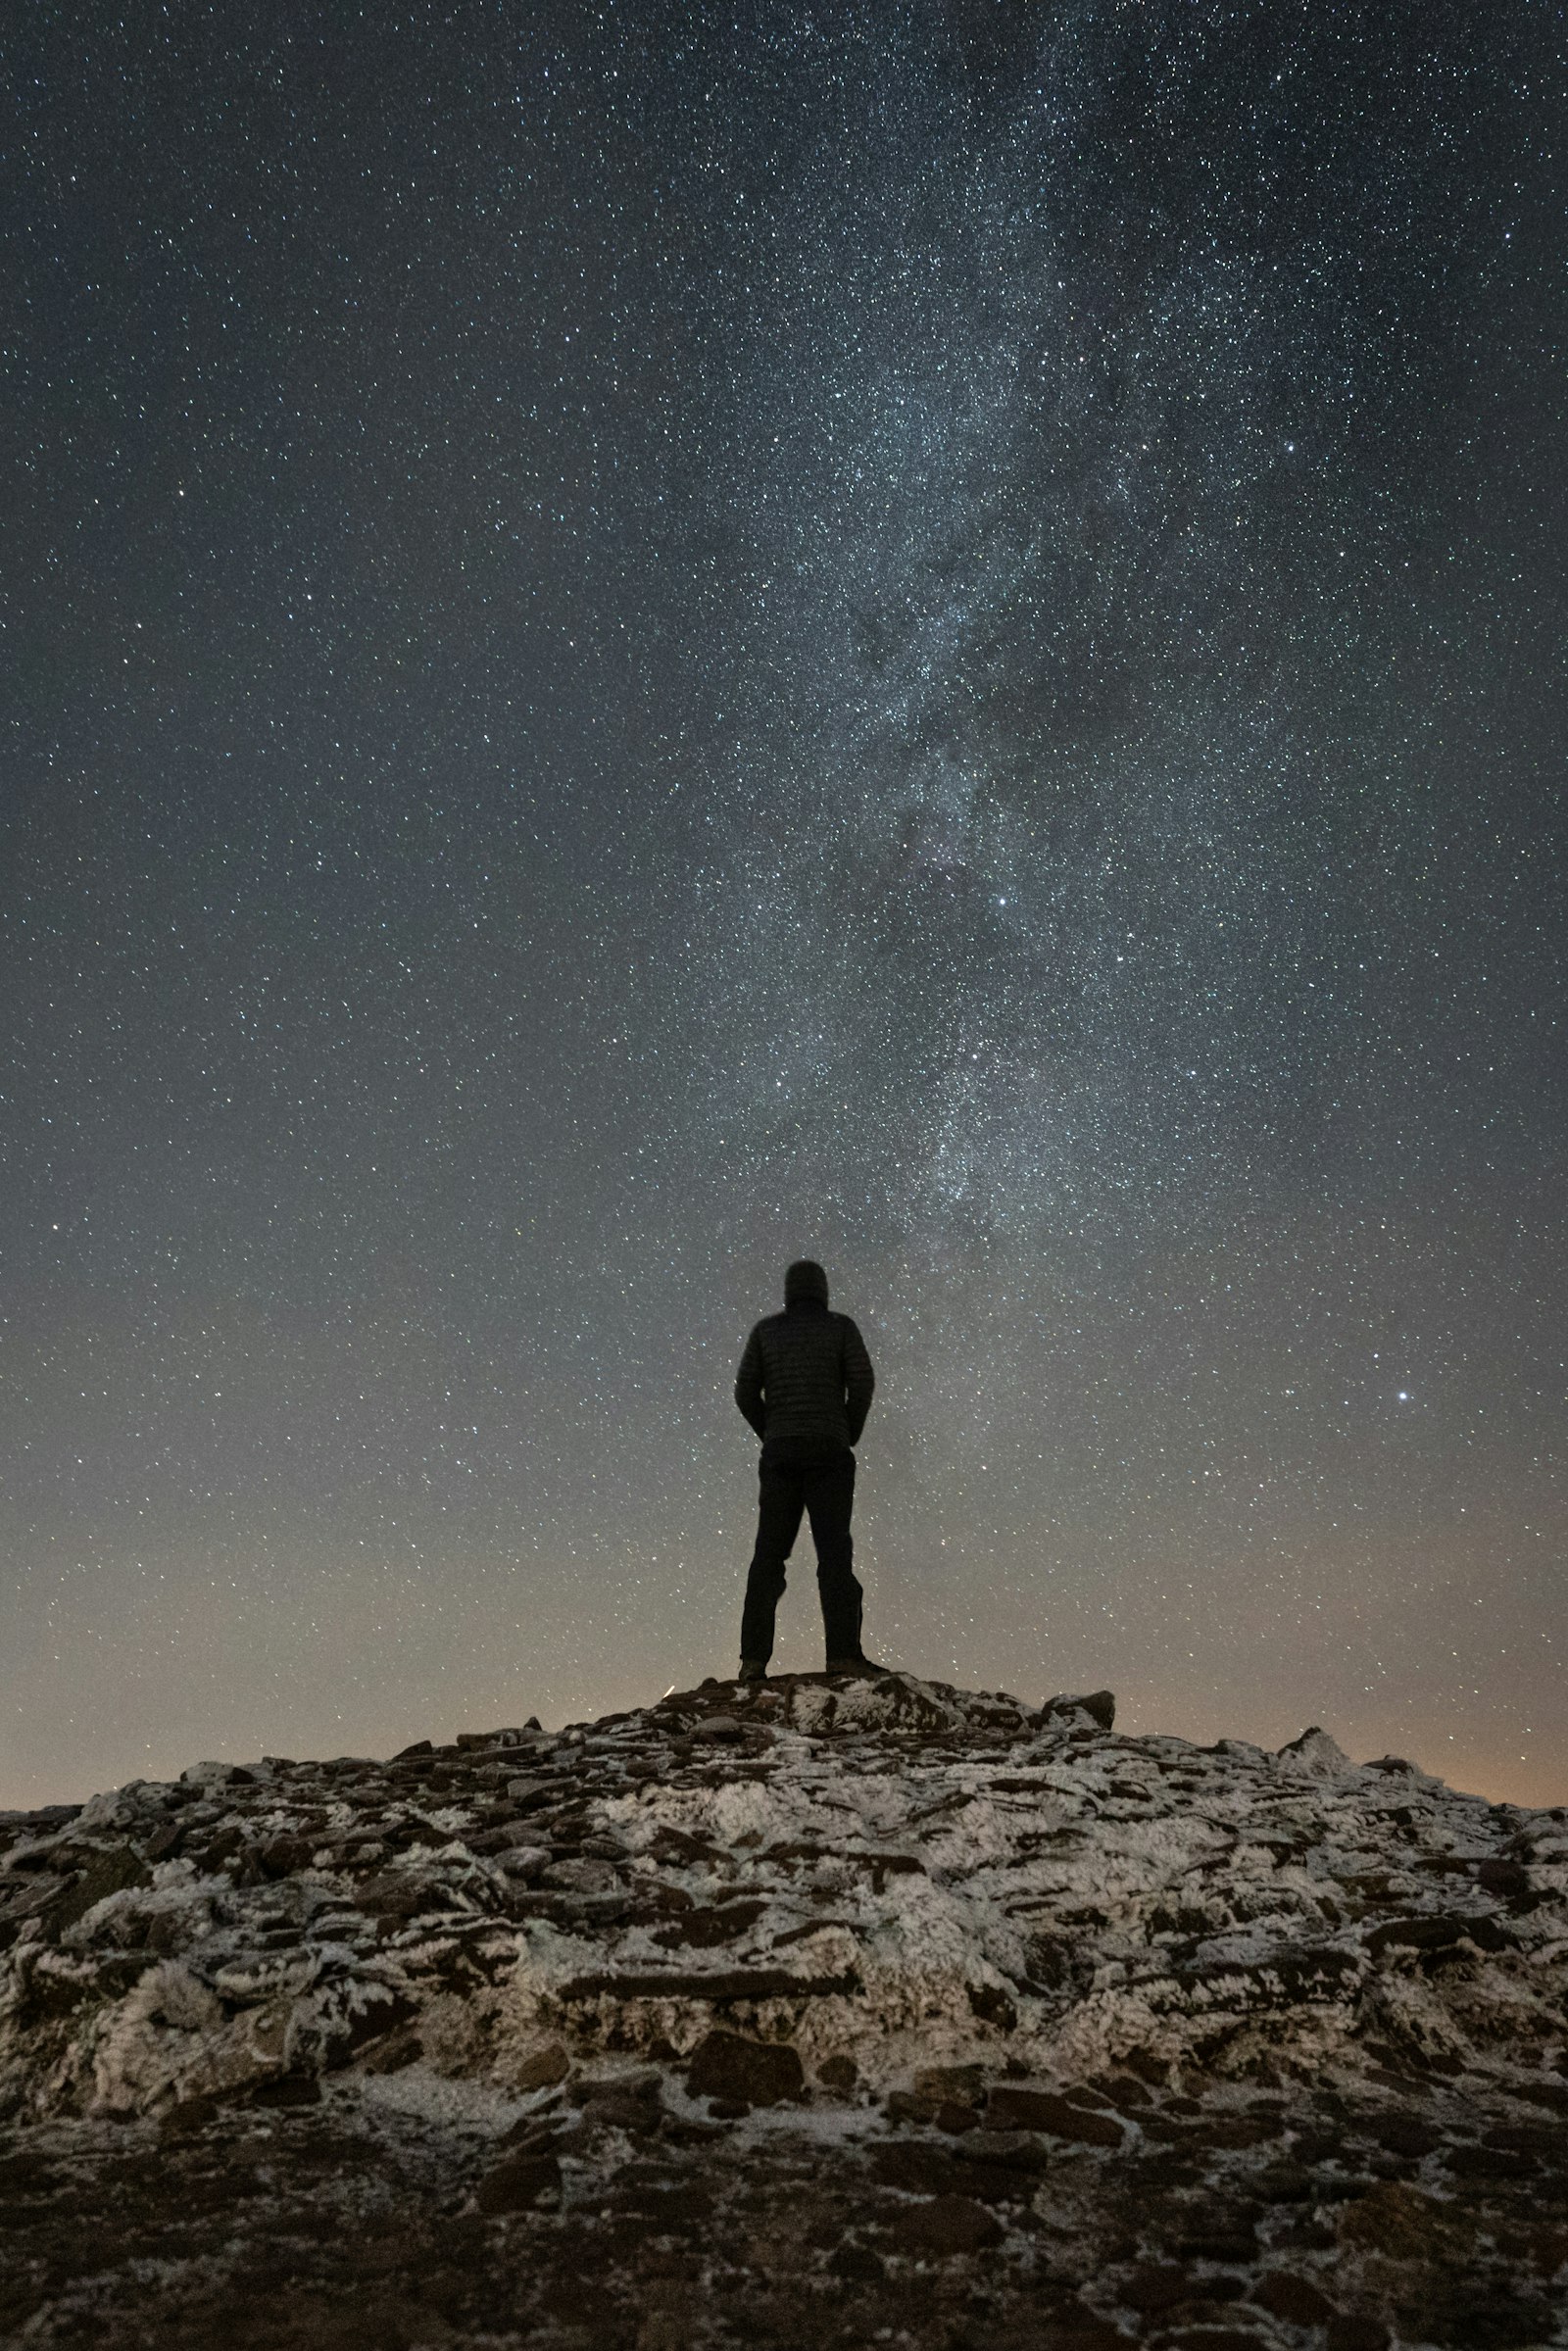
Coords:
1489,2162
1415,1934
945,2226
586,1875
990,2004
1213,2338
705,1930
1079,2330
994,2153
518,2182
1406,2135
755,2073
287,2090
398,1895
1353,2332
1403,2223
958,2085
540,2071
1295,2299
1153,2288
1010,2109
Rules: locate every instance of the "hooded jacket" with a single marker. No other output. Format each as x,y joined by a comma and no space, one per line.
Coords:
805,1383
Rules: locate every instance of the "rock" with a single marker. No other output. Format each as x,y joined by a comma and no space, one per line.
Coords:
840,2073
1213,2338
104,1874
525,1863
705,1930
287,2090
1425,1933
1490,2163
1295,2299
1353,2332
541,2069
613,2108
398,1895
990,2004
945,2095
278,1856
920,2168
999,2152
756,2073
1099,1706
955,2118
370,2010
1406,2135
1316,1756
1009,2109
1403,2223
1155,2287
1082,2330
588,1876
960,2085
945,2226
518,2182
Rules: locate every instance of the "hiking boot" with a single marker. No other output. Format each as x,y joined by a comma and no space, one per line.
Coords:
864,1669
751,1671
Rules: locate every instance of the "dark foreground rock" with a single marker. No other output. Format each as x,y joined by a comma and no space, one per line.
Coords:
830,2014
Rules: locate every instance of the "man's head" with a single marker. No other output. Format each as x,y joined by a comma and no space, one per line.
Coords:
804,1279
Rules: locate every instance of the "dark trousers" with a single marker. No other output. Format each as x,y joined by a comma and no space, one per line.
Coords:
786,1488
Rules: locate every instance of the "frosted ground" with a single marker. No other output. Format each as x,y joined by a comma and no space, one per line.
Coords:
832,2012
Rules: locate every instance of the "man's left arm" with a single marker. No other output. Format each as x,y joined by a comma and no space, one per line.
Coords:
859,1379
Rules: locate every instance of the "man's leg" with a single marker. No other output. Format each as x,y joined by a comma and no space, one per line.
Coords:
780,1501
830,1498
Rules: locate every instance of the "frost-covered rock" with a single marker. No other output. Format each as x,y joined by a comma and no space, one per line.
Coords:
934,1978
1315,1755
892,1870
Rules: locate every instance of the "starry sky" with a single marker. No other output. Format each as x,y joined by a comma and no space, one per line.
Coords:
642,639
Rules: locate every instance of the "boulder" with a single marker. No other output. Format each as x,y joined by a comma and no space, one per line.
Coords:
750,2073
517,2182
1316,1756
1009,2109
944,2227
1099,1706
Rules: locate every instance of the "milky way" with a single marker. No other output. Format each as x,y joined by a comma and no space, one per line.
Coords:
643,641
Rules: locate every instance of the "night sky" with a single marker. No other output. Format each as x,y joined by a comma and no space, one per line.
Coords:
640,640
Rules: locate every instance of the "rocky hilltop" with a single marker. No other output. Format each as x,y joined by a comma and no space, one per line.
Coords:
825,2012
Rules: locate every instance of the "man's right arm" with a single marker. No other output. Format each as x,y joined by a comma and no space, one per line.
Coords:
749,1385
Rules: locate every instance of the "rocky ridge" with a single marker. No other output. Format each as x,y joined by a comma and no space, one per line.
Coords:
820,2011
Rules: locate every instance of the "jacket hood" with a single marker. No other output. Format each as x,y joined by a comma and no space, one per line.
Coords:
804,1279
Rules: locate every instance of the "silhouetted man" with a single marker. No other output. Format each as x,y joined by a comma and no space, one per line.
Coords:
805,1384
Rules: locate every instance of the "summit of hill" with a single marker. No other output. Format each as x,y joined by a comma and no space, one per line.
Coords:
810,2011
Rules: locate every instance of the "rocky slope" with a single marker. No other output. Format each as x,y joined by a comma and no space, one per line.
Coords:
839,2012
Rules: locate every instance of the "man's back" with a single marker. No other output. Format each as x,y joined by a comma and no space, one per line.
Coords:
805,1383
